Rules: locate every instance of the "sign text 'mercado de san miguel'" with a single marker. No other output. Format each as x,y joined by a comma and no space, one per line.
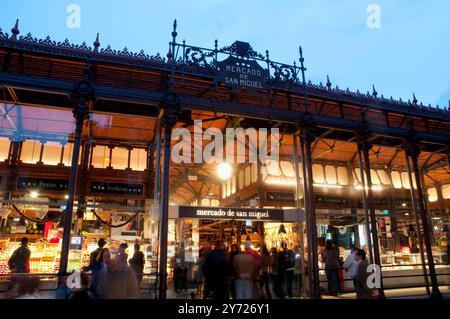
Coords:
239,73
231,213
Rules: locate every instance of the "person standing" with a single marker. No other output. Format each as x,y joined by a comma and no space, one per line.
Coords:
244,269
329,258
98,263
137,263
362,289
351,265
19,262
217,272
287,267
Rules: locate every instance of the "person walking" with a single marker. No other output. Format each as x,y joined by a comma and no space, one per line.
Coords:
98,264
19,262
351,265
137,263
244,269
362,289
329,259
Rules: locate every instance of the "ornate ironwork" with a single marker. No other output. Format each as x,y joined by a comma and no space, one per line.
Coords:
202,61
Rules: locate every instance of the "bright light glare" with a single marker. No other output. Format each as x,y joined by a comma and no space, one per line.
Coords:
224,171
34,194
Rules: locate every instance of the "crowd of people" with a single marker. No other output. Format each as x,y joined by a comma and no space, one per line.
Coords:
232,272
223,273
356,264
110,278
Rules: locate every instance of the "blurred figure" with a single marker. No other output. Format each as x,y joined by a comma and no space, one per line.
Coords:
351,265
257,269
98,264
235,249
244,270
265,265
137,263
330,259
180,271
81,293
19,262
122,283
275,276
362,290
217,272
28,288
62,291
199,276
286,268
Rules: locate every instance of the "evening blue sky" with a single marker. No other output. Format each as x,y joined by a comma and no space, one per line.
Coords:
409,53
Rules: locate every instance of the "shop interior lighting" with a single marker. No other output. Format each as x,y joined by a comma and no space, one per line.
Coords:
34,194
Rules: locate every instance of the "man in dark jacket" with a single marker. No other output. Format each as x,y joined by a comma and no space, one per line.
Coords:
217,273
19,261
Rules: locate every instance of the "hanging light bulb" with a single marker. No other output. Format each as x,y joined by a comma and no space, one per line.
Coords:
224,171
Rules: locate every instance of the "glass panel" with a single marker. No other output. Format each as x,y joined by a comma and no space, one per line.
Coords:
405,180
241,179
247,176
100,156
119,158
52,153
224,190
287,168
214,203
342,175
229,187
205,202
446,191
67,156
4,148
384,178
138,161
273,168
330,172
31,151
357,176
318,175
374,177
254,172
396,180
233,184
432,194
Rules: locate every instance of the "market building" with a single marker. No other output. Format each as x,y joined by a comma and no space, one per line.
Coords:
87,152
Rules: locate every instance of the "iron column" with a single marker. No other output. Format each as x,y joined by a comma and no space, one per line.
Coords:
81,113
414,152
170,104
416,215
365,147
